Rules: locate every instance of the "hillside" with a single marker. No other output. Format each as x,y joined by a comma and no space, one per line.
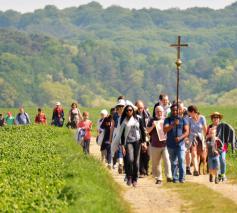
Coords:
93,54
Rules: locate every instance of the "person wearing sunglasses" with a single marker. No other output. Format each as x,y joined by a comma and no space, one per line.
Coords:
132,134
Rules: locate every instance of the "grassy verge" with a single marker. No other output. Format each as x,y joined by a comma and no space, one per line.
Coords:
44,170
199,198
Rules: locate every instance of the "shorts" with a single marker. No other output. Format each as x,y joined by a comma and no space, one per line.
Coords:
213,162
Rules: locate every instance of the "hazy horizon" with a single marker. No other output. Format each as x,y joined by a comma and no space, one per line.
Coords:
18,5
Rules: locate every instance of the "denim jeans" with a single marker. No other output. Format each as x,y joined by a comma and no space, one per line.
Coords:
132,159
86,146
108,152
222,158
177,160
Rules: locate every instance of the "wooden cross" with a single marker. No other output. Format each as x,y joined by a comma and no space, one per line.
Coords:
178,64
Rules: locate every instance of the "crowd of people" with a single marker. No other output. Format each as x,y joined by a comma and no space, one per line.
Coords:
129,137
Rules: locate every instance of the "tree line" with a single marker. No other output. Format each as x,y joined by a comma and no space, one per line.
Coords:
90,54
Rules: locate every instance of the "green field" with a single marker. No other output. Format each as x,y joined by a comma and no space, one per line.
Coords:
44,170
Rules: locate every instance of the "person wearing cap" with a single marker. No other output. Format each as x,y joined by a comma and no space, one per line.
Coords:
103,115
9,118
226,134
22,117
86,124
132,134
177,129
116,150
58,115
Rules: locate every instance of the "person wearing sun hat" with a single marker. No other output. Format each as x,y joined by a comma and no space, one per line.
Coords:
226,134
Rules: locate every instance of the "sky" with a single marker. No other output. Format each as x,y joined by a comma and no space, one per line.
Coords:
31,5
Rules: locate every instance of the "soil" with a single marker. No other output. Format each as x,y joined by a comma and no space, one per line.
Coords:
150,197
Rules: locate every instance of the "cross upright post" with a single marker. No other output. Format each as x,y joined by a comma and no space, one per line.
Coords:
178,64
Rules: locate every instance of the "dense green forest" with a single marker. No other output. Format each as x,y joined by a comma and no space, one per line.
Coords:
92,55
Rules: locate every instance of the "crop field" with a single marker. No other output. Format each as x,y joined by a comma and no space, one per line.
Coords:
44,170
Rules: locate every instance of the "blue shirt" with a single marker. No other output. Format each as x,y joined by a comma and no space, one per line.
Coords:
173,133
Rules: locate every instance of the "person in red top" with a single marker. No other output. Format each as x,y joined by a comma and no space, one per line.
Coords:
87,125
40,118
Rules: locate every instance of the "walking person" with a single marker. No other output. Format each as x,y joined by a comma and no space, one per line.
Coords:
2,120
132,134
106,145
58,115
40,118
22,117
103,115
214,147
159,147
144,154
226,134
10,119
74,116
198,130
116,149
177,130
86,124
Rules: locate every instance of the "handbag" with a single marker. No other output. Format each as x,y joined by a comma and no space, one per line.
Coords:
100,138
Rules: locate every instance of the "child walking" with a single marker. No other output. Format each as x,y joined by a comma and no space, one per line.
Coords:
87,125
214,145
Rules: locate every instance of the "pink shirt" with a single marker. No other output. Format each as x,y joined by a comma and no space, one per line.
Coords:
87,126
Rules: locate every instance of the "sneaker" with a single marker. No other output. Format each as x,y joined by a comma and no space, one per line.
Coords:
109,166
129,181
210,178
216,180
219,177
175,181
195,173
169,180
182,181
222,177
120,169
158,181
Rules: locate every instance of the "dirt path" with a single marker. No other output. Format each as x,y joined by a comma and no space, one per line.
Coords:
227,189
150,197
147,196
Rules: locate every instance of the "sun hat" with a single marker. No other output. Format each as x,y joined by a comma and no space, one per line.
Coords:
121,102
216,114
131,104
104,112
58,103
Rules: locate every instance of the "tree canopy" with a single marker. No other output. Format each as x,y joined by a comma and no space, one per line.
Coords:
92,55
